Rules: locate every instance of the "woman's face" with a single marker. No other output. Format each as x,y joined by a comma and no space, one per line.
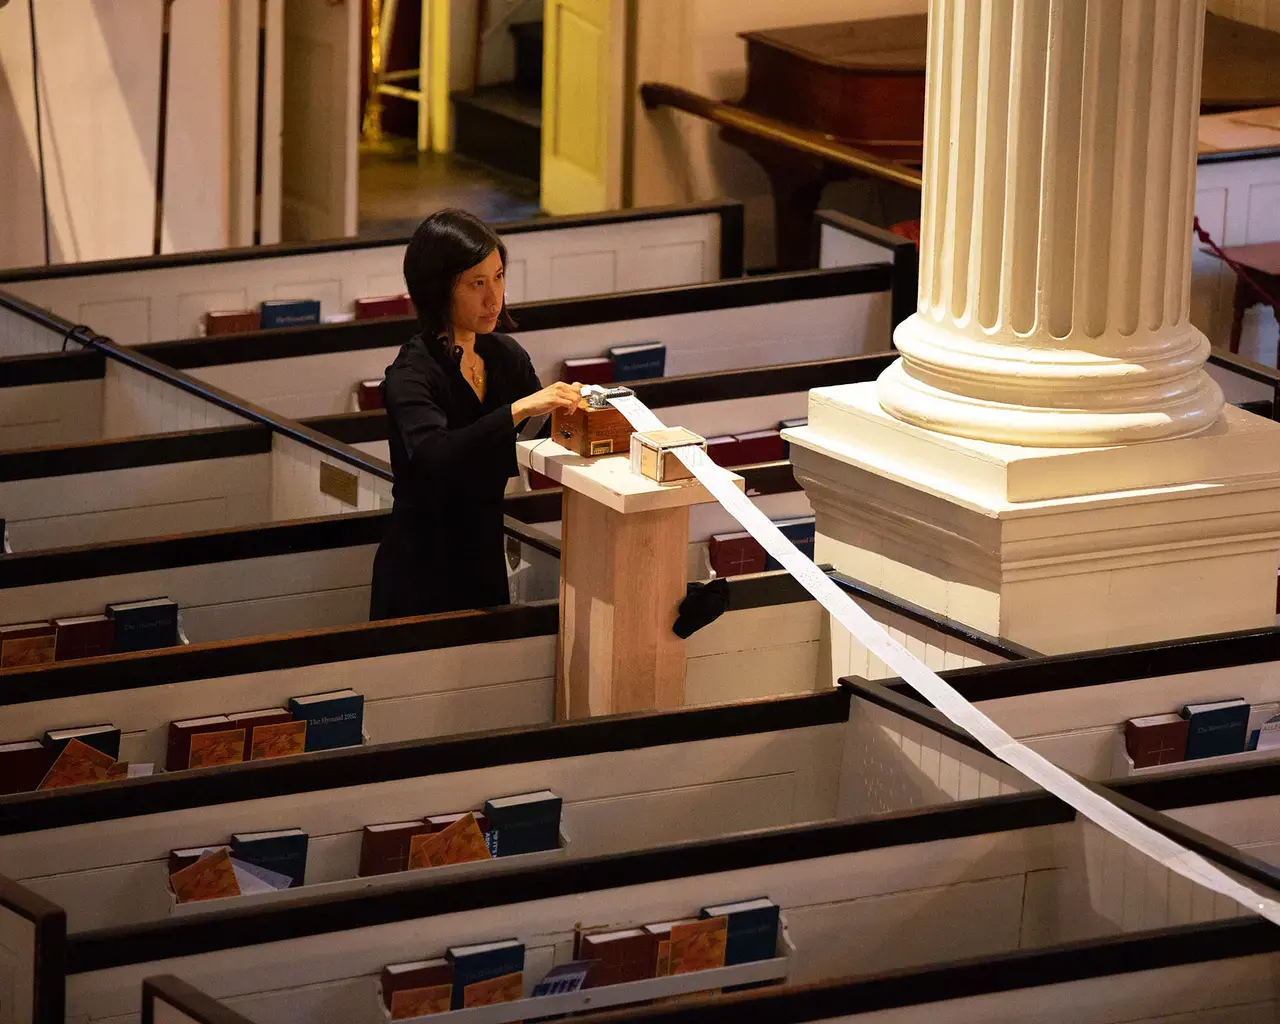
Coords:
477,296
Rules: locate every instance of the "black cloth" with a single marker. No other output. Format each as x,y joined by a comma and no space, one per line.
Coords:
452,455
703,603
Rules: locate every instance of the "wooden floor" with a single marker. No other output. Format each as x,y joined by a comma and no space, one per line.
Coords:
399,189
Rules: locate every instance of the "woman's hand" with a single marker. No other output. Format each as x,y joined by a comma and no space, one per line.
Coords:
558,396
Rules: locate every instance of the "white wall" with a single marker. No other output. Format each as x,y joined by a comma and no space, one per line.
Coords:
99,85
695,44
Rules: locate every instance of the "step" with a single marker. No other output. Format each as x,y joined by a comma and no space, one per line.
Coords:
528,39
500,126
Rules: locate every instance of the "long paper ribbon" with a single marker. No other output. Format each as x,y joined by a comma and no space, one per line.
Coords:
1101,811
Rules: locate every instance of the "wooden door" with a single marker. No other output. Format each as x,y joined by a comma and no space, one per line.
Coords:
320,118
583,104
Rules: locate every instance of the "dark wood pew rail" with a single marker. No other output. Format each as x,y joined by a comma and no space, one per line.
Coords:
49,926
1250,370
906,256
729,211
174,992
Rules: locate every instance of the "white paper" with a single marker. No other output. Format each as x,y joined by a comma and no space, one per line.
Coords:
871,634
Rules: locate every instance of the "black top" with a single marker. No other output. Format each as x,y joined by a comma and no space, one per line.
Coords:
452,456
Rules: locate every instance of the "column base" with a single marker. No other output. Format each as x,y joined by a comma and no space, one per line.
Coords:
1060,549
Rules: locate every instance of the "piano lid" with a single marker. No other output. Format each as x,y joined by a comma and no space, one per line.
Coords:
1241,62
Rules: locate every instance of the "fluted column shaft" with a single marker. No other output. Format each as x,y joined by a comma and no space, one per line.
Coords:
1059,182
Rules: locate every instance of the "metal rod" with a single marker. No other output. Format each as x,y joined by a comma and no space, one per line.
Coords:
35,92
259,141
656,94
162,129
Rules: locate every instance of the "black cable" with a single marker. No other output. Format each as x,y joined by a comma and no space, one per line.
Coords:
35,92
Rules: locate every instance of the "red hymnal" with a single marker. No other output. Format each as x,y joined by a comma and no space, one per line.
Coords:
1156,739
23,765
178,753
538,482
759,446
626,955
85,636
234,321
385,848
589,370
369,395
736,554
383,305
250,720
724,450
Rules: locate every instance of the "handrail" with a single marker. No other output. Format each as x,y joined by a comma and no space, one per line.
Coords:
659,94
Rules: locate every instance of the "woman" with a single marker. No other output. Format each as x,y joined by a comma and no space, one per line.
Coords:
455,396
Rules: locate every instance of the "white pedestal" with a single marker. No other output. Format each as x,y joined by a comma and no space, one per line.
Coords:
623,570
1061,549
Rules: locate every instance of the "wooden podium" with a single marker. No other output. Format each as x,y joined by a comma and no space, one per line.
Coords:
623,570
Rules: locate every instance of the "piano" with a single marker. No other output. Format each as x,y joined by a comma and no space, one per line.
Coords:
862,84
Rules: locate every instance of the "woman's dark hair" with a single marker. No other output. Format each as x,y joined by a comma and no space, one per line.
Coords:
446,244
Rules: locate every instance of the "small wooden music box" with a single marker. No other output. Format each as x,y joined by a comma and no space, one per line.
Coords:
591,431
653,453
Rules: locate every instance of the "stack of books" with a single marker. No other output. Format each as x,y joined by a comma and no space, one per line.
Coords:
318,721
130,626
507,826
739,553
722,935
1204,729
251,863
641,361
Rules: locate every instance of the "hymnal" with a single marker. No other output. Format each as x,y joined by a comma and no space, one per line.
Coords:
1216,727
723,450
801,531
289,313
384,848
439,822
26,643
377,306
283,851
527,823
278,739
232,321
752,932
660,935
145,625
491,972
83,636
369,395
1156,739
334,719
759,446
736,554
216,747
588,370
623,955
638,362
22,765
418,988
260,719
105,738
178,750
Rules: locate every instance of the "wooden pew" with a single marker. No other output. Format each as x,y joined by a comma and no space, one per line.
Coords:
151,298
628,782
170,1000
445,674
895,891
33,941
844,241
767,320
1072,708
1222,970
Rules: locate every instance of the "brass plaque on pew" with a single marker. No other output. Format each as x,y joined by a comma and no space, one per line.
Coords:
338,483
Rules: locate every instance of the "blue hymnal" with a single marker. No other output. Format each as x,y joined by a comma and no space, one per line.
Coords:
638,362
283,851
526,823
1216,727
289,313
145,625
489,960
800,531
334,719
753,930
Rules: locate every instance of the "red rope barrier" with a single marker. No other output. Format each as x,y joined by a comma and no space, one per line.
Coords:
1240,270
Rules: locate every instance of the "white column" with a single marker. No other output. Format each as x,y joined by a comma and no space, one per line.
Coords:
1059,172
992,474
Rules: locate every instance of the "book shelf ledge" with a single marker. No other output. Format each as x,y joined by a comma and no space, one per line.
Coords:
374,883
1124,769
530,1008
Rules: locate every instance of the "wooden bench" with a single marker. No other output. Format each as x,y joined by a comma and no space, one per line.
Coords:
152,298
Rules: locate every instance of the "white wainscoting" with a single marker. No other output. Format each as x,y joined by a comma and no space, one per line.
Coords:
17,967
20,336
163,303
839,248
43,415
137,403
295,483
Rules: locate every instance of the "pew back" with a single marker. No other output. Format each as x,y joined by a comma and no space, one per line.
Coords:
33,937
154,298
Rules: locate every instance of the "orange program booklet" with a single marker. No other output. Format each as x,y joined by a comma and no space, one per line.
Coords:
460,843
212,748
418,1002
212,877
77,765
504,989
279,739
698,945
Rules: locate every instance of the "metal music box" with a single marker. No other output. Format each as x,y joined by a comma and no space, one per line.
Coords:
653,453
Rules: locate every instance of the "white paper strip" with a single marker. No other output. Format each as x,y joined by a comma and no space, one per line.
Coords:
872,635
